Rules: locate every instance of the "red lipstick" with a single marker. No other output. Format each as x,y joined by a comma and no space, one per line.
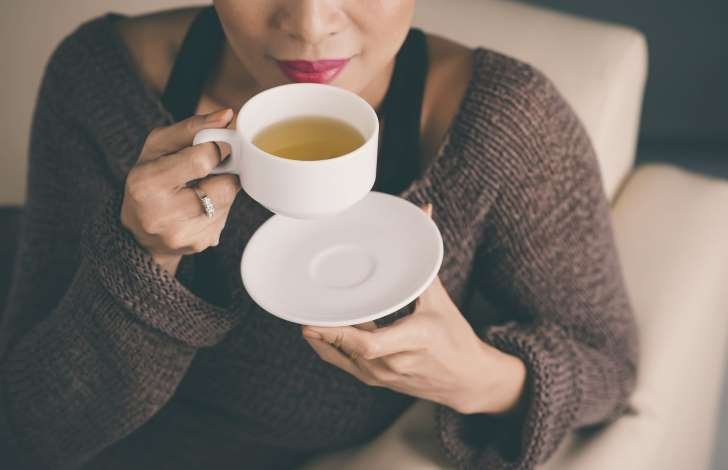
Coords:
320,71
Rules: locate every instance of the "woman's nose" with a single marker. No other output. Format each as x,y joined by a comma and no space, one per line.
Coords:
311,21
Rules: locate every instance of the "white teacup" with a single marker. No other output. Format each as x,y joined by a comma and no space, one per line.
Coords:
297,188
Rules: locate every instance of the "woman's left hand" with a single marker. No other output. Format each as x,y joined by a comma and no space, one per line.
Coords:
432,354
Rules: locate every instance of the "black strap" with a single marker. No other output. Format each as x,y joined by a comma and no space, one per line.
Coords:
198,55
399,161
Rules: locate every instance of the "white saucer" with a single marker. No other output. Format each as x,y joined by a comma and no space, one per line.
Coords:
353,267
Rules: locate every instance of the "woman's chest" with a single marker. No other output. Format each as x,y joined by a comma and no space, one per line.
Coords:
265,371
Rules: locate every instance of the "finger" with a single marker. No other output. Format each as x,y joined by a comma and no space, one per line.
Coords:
182,211
372,372
189,164
427,208
426,294
177,244
210,236
221,189
400,336
368,326
404,335
192,236
436,297
373,369
404,363
179,135
333,356
345,337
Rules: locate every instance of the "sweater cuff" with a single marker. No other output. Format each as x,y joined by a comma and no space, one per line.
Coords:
145,288
549,406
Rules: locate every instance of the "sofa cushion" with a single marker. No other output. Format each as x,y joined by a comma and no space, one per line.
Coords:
599,67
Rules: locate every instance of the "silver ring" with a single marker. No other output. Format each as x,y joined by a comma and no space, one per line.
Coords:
207,204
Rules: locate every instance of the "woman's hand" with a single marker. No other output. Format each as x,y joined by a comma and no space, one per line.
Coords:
162,212
432,354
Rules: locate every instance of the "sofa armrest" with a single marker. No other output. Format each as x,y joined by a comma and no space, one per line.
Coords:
671,228
599,67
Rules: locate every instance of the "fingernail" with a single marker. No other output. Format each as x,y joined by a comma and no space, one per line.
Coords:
219,115
309,333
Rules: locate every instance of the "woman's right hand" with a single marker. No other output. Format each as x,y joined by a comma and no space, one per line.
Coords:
162,212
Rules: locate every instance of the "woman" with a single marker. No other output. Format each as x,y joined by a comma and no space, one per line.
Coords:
128,340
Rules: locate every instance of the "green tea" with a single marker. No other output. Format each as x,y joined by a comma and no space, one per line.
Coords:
309,138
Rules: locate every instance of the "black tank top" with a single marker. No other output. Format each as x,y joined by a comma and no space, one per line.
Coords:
398,162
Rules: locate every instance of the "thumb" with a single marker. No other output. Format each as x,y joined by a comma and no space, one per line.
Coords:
368,326
427,208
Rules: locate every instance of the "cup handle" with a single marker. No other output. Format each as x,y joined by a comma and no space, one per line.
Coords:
228,136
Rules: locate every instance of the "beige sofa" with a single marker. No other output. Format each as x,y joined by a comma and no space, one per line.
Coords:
671,227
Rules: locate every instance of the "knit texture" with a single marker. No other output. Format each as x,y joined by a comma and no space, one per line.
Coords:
107,361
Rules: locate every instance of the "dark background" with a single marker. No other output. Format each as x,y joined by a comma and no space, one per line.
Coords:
685,114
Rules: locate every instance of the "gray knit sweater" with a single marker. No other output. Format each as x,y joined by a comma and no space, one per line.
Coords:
107,361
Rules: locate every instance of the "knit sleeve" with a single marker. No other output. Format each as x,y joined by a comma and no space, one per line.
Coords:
95,336
547,261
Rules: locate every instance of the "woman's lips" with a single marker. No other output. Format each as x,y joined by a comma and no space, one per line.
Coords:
320,71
